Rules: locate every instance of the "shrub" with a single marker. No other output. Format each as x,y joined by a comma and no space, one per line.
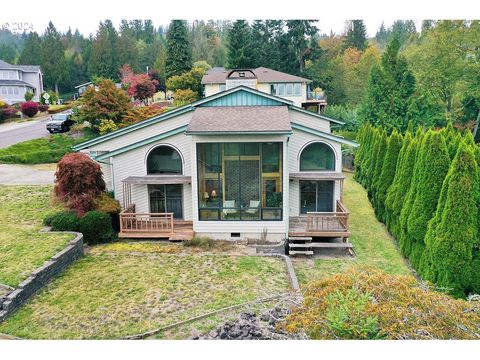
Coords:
43,108
29,108
62,221
366,303
96,227
106,126
78,182
28,96
106,203
141,113
201,242
183,97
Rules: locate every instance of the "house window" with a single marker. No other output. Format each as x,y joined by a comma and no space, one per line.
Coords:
222,87
164,160
297,89
281,89
240,181
317,157
12,74
289,89
15,90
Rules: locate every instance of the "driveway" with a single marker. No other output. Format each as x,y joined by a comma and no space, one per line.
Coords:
27,174
17,132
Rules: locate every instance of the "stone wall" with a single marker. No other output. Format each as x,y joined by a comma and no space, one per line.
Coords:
41,276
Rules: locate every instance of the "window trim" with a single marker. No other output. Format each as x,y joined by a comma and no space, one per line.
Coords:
304,147
159,145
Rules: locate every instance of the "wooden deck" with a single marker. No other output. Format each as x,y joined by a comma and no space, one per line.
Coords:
153,226
321,224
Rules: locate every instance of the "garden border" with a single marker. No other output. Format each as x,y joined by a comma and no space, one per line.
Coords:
42,275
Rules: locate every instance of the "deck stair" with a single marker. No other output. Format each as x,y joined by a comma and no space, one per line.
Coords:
300,245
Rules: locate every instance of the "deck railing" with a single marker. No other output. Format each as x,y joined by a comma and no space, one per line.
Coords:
131,221
328,221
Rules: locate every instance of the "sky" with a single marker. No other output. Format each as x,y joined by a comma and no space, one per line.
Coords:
332,14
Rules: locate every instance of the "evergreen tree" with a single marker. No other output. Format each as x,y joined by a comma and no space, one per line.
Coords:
356,35
300,46
31,50
389,92
376,169
52,58
179,50
260,41
240,49
401,183
104,59
434,162
127,47
388,172
453,234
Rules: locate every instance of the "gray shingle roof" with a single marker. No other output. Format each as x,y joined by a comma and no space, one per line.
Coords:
264,75
240,119
27,68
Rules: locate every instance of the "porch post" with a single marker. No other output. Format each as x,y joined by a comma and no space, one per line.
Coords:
341,191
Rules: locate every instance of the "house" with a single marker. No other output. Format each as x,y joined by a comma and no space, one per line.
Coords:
238,164
290,87
16,80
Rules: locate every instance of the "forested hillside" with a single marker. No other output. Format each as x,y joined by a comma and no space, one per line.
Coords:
428,75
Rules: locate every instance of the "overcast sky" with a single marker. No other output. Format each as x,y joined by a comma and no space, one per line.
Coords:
86,14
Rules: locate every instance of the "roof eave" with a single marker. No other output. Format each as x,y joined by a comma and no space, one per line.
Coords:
266,132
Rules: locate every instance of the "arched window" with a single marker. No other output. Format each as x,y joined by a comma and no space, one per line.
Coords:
317,157
164,160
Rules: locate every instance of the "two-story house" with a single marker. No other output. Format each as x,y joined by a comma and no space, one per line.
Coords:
290,87
16,80
238,164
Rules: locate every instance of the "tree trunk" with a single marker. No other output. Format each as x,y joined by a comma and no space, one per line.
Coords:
476,125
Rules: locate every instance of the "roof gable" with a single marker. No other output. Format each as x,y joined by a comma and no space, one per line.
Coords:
218,75
244,96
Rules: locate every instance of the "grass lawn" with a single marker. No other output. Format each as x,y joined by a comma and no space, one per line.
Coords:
22,247
40,151
118,290
372,243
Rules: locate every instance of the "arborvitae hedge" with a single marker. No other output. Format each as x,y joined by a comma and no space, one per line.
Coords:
388,172
398,188
434,162
429,203
456,236
380,156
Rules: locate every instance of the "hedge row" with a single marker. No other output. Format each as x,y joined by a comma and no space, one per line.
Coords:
425,187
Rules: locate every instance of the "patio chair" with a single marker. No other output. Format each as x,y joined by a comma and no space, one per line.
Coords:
229,204
253,207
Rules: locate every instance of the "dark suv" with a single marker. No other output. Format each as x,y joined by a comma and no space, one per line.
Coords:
59,123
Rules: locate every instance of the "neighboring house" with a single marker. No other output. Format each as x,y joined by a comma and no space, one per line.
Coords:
239,164
290,87
16,80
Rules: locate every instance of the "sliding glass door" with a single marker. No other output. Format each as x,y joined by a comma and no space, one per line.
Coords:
316,196
166,198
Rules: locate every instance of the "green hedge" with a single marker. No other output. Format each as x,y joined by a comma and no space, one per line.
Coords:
96,226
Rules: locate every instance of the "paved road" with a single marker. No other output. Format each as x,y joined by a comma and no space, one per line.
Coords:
17,132
25,175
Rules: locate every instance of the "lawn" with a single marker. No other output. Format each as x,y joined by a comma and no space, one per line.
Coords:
118,290
22,247
40,151
372,243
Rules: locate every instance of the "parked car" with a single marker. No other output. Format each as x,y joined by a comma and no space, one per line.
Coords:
59,123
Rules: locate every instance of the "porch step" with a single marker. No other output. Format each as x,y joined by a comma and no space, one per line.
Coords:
300,245
182,235
303,252
323,245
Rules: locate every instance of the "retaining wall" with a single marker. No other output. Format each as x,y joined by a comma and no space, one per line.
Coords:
41,276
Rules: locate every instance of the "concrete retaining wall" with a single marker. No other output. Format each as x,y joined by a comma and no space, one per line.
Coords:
41,276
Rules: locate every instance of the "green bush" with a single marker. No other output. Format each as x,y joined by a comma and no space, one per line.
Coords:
63,221
201,242
96,227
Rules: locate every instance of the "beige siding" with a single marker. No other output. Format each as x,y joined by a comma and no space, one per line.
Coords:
297,142
133,163
310,121
143,133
